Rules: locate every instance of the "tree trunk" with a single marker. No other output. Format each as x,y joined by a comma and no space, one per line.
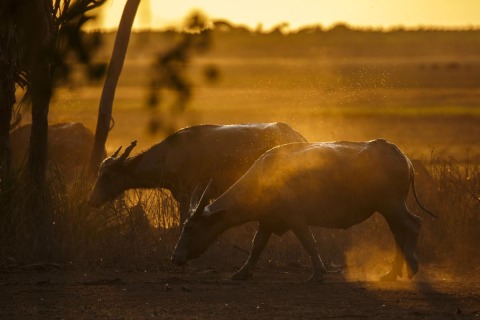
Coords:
37,156
7,101
9,63
38,28
110,85
40,84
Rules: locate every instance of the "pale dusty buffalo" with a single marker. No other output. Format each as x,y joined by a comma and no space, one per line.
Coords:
297,185
188,159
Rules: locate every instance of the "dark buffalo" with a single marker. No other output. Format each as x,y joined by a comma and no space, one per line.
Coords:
69,146
188,159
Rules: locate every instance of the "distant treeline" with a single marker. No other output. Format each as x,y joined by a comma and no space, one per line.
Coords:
338,42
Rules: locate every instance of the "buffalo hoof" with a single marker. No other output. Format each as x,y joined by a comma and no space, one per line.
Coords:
241,275
412,270
390,276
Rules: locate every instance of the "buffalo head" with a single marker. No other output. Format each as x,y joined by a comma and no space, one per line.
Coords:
198,232
112,178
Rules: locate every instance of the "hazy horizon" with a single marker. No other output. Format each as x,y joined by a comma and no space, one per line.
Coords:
384,14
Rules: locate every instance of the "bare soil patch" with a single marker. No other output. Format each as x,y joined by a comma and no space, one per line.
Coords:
209,294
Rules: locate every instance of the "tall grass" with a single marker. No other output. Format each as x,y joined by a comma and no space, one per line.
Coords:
456,194
56,224
139,230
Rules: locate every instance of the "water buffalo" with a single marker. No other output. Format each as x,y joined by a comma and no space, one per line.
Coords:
69,146
293,186
188,159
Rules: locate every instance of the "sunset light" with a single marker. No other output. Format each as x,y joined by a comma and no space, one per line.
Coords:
253,159
268,13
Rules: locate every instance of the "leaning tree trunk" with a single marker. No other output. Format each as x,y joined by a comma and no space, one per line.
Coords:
110,85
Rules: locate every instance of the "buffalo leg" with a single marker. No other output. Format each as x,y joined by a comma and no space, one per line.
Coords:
413,229
258,244
304,234
397,265
405,227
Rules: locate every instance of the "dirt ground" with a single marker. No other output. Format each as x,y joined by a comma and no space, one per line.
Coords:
210,294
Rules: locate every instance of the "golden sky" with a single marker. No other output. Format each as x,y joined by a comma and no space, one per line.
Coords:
374,13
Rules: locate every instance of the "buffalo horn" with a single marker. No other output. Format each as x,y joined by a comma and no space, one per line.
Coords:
127,151
115,154
202,203
194,199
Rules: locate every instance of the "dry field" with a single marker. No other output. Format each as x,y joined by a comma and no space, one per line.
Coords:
421,91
